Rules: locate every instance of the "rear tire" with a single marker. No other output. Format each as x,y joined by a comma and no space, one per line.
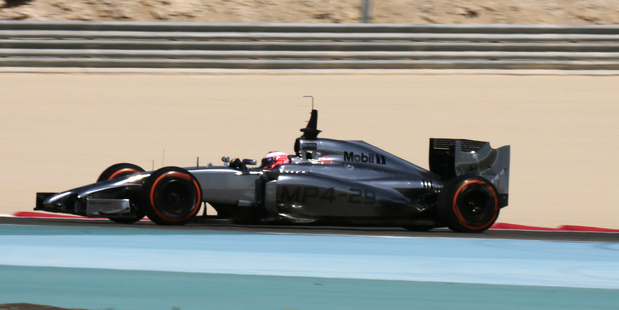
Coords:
468,203
118,171
171,196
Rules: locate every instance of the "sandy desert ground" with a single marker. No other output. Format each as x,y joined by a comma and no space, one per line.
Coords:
61,130
557,12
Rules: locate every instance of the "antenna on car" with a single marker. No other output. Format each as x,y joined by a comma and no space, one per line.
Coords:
311,130
312,100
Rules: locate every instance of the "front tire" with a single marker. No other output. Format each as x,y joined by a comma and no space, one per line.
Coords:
118,171
468,203
171,196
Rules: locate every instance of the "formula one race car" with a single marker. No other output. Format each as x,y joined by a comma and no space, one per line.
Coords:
326,181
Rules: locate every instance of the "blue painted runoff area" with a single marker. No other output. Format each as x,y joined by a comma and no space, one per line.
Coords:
151,290
112,268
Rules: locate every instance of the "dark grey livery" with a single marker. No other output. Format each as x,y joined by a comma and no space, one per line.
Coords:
327,181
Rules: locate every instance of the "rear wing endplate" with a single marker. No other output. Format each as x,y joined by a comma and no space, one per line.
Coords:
453,157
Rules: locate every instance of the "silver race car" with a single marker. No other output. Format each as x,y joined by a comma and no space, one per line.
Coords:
326,181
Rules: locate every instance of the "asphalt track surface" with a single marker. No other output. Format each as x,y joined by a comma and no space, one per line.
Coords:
327,230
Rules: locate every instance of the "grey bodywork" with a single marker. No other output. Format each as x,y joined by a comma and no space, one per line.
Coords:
331,181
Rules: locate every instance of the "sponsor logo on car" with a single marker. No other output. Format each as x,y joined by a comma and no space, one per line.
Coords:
326,160
365,158
309,146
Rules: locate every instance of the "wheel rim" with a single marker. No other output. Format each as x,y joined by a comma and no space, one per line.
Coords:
175,197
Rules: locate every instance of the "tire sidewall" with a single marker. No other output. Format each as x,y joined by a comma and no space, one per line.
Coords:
119,170
457,197
171,196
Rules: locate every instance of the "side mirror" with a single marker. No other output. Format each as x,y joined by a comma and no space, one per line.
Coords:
226,160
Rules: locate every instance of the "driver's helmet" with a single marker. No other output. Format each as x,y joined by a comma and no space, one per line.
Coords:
274,159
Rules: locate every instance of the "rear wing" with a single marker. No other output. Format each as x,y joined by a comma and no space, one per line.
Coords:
453,157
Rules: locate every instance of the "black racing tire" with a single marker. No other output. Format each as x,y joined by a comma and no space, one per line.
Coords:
468,203
117,171
171,196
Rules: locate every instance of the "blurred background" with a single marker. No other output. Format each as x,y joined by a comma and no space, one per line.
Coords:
558,12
